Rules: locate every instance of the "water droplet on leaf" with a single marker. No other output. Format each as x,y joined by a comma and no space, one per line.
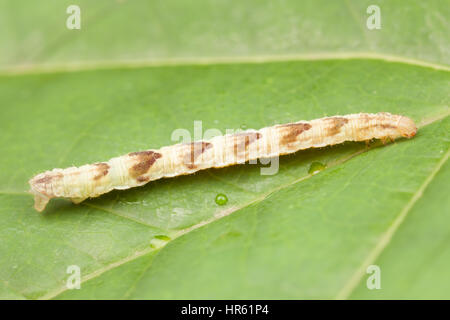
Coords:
162,237
316,167
221,199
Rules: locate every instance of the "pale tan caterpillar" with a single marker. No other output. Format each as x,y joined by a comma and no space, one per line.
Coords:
138,168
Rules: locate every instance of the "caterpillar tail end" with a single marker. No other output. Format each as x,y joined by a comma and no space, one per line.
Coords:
40,200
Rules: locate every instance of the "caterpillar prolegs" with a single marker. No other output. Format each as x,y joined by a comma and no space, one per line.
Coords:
138,168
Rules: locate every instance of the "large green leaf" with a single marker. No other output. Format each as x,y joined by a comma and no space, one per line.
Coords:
171,30
289,235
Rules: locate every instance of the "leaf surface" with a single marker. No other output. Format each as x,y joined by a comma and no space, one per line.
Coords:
289,235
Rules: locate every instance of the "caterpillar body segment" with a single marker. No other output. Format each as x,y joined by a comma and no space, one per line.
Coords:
138,168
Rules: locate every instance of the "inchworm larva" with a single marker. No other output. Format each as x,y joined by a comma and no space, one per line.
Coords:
138,168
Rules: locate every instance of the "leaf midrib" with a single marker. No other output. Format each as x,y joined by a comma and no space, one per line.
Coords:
30,69
348,287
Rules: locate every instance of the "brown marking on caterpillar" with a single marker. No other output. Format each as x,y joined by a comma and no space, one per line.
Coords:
293,130
243,140
377,125
143,179
365,117
196,149
42,187
48,178
386,126
141,153
335,125
145,160
103,169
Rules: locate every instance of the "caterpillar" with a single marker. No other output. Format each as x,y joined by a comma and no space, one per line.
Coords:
138,168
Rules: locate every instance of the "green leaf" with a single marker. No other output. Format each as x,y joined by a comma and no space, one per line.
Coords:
142,31
289,235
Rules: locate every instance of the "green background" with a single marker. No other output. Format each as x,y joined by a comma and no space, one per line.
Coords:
138,70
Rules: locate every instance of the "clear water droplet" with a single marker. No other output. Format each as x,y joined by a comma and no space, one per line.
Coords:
316,167
221,199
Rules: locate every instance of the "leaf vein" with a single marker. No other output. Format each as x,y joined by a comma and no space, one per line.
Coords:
386,238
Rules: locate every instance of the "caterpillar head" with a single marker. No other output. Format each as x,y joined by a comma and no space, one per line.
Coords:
406,127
